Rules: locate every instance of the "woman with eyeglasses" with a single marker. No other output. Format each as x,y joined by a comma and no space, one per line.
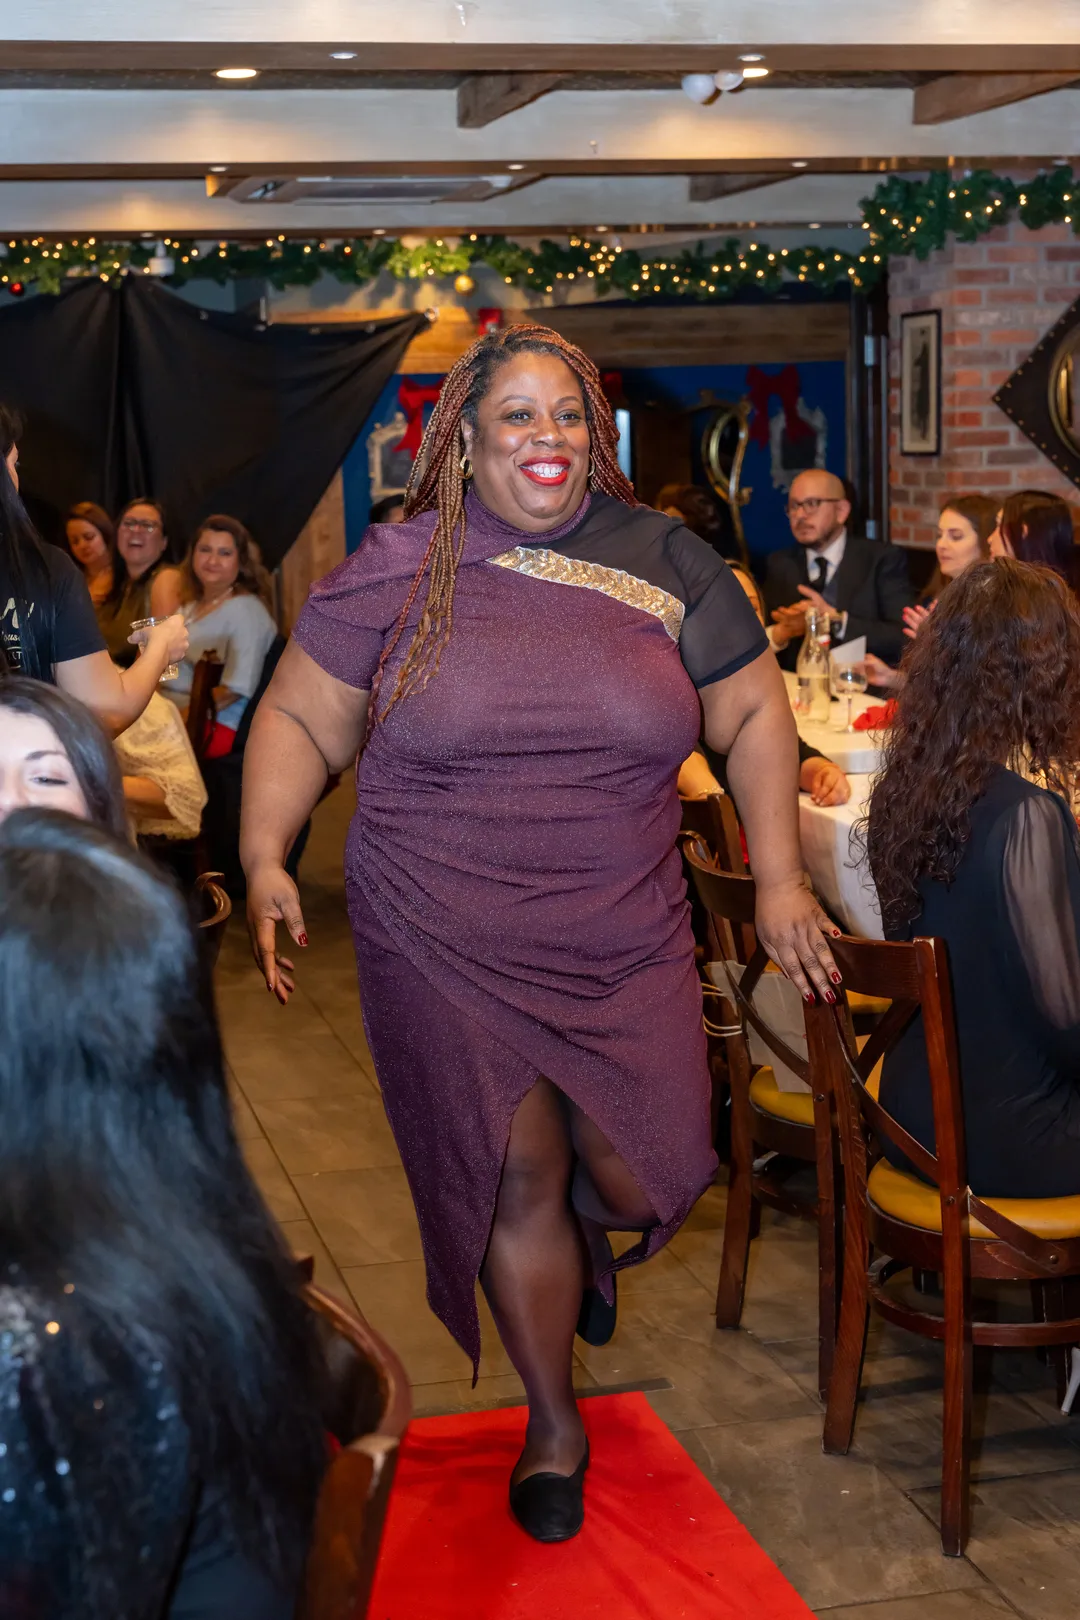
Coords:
48,629
147,584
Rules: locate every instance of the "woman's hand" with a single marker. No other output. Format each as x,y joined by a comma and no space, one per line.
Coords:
272,897
166,643
824,781
915,617
791,926
878,673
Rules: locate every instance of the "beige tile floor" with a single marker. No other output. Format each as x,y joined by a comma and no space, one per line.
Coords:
856,1535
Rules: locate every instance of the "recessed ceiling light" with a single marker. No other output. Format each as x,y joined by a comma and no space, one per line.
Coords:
516,167
751,56
600,229
236,73
799,163
815,226
378,231
755,73
343,56
218,168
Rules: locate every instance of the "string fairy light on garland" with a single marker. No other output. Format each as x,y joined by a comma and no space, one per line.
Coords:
903,218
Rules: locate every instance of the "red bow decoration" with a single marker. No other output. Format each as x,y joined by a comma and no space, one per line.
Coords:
876,718
412,397
785,387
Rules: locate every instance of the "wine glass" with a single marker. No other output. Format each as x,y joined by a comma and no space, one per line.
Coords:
848,681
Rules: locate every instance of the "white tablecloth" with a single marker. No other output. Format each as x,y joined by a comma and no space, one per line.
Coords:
856,752
840,881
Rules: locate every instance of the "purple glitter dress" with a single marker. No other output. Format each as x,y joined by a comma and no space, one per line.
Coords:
516,896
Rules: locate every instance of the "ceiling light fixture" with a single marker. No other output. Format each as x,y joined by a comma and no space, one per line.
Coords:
343,56
515,167
751,56
799,163
236,73
815,226
700,87
729,80
218,168
755,73
378,231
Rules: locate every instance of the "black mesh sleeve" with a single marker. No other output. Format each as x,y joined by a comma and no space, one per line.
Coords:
720,631
1042,903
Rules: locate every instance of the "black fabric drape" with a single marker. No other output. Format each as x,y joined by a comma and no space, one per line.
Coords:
129,390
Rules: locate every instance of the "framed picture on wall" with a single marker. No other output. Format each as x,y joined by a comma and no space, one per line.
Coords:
920,383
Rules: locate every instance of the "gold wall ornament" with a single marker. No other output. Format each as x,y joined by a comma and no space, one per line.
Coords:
723,450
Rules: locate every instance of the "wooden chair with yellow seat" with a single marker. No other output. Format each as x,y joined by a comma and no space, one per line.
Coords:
934,1224
774,1132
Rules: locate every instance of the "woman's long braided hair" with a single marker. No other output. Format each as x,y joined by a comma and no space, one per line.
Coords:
438,484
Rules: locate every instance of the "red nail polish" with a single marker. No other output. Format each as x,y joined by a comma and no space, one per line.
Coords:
830,998
836,978
836,933
809,998
302,938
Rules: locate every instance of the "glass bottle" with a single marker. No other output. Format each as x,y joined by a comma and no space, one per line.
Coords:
812,669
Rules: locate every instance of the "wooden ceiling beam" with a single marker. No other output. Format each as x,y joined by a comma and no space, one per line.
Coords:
484,97
711,187
962,95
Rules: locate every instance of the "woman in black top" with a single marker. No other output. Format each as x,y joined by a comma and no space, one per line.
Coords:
48,629
161,1445
971,838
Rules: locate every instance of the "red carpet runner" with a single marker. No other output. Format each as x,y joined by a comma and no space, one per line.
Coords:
658,1542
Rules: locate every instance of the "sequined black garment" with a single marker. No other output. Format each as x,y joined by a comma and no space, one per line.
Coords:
100,1518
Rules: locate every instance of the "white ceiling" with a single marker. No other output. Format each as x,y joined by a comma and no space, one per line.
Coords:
127,134
710,22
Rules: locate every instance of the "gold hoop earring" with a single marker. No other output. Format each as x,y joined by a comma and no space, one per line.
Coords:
466,467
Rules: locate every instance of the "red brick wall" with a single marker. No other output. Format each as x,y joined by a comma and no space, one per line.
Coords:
997,298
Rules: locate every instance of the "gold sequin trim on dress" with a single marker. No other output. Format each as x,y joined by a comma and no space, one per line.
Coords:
613,582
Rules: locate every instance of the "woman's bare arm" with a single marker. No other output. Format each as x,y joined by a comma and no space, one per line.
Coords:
307,727
146,798
119,696
748,718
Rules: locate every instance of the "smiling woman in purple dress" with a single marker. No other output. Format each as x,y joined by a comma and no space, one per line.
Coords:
525,662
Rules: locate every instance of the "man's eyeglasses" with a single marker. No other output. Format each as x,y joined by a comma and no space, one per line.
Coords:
810,505
146,525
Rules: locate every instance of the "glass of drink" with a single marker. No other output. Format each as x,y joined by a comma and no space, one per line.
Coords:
848,682
171,671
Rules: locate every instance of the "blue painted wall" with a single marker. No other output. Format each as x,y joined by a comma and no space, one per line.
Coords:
821,390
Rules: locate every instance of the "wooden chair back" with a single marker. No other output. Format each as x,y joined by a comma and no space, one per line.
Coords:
208,672
729,900
713,820
915,978
756,1179
217,909
369,1408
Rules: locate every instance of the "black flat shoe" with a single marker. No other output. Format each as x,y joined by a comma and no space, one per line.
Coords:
596,1323
551,1507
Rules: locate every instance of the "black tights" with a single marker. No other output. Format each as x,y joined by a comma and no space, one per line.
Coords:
540,1255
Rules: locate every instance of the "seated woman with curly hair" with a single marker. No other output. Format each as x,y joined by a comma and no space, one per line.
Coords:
970,838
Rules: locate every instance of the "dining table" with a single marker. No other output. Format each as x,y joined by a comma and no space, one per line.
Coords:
835,861
858,753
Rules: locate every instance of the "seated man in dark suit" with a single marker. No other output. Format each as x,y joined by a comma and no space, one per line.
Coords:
862,583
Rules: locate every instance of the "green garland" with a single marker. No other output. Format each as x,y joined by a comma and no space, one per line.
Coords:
902,218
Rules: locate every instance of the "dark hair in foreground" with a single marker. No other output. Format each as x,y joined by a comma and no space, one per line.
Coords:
24,574
1039,528
120,1170
381,510
83,739
993,677
438,482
